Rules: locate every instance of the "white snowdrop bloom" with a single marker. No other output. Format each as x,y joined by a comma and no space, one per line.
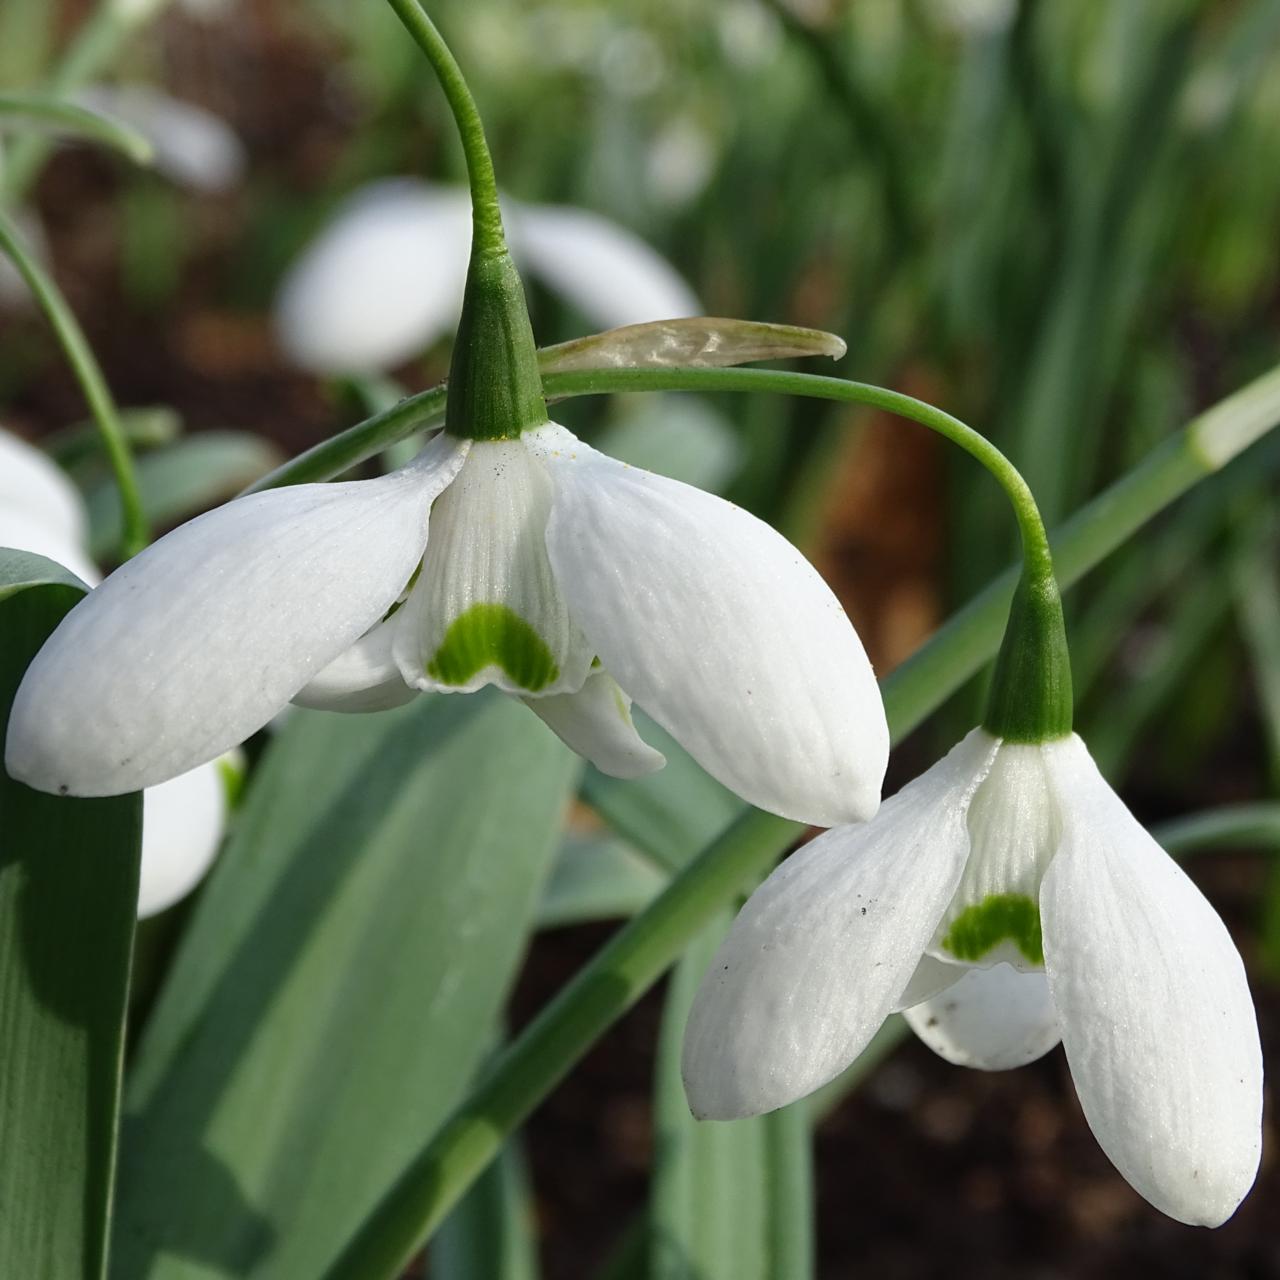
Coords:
1005,898
191,146
385,279
183,820
563,577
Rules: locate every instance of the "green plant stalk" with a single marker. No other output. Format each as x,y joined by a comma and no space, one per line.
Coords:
95,44
642,950
94,386
496,390
1236,826
486,216
79,121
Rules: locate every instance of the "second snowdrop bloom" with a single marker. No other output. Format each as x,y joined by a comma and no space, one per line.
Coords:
557,574
183,820
1005,899
385,279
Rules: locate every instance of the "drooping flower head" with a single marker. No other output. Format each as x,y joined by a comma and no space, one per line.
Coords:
556,574
1005,900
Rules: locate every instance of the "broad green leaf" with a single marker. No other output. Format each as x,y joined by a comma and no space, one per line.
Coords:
597,878
489,1236
180,479
339,984
670,815
730,1200
68,897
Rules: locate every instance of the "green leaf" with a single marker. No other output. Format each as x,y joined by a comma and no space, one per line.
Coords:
68,119
670,815
489,1236
68,898
598,878
339,984
187,476
730,1200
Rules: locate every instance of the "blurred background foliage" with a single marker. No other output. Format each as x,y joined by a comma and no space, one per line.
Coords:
1056,219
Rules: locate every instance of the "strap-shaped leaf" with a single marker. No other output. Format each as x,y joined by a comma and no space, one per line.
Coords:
339,983
730,1200
68,897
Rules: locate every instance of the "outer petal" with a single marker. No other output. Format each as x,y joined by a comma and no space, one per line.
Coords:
182,825
596,723
823,949
34,486
1154,1005
607,272
722,631
192,145
380,283
486,608
22,532
362,678
197,642
992,1019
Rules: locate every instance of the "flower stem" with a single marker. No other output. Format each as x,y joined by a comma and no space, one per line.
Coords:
485,213
85,367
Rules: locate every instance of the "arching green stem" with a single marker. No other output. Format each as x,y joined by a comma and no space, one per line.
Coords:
495,392
85,367
485,213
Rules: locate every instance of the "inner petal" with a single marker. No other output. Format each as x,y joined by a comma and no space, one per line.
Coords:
486,608
1014,829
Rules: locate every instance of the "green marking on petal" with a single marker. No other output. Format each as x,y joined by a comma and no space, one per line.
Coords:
979,929
492,635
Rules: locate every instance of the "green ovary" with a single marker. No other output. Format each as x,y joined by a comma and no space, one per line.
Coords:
979,929
491,635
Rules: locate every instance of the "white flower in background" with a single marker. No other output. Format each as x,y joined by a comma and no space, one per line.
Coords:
563,577
192,146
936,907
41,511
384,280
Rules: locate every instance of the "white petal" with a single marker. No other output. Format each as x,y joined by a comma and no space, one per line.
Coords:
196,643
1155,1010
992,1019
192,146
21,532
30,483
363,678
825,947
1014,829
182,825
722,631
605,271
596,723
486,608
930,977
381,283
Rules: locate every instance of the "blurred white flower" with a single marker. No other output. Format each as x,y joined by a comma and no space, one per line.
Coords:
935,907
192,146
974,17
565,578
41,511
680,161
384,279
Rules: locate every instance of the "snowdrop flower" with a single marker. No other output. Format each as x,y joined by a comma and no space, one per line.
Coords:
385,279
558,575
1005,899
182,820
555,573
